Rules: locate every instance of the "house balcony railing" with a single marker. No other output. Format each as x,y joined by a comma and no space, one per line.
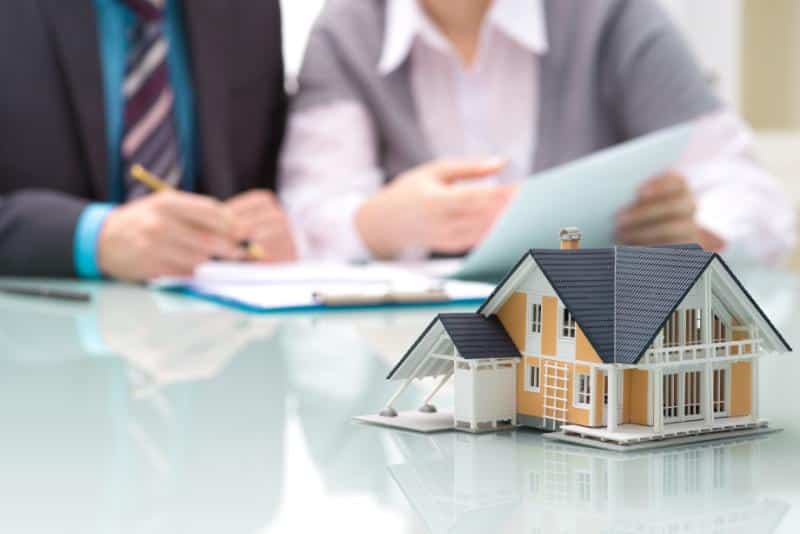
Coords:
702,351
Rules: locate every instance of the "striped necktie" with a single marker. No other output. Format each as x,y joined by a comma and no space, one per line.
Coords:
150,136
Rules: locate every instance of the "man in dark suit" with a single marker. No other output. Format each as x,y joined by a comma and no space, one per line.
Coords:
191,90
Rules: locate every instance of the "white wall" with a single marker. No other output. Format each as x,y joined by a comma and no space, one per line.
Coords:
298,16
714,31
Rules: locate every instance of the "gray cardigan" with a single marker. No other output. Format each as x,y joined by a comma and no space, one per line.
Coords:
615,70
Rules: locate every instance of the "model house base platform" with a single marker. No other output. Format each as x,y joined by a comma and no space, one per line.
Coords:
639,443
619,348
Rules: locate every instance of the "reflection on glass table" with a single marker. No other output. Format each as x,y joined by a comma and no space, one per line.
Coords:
519,483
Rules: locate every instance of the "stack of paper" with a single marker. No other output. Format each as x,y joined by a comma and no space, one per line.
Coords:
324,284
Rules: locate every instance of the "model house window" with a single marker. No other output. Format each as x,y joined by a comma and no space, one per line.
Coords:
672,330
720,396
533,378
536,318
583,390
720,330
694,326
670,395
567,324
691,393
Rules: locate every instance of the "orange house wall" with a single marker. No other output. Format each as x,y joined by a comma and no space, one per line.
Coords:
637,399
549,325
597,399
584,351
513,316
741,389
529,403
577,416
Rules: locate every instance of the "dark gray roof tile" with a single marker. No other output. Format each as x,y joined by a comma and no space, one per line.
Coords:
476,336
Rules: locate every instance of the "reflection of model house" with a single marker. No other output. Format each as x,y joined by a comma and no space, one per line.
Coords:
621,345
516,483
698,489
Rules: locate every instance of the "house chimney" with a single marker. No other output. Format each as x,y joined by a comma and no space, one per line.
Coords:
570,238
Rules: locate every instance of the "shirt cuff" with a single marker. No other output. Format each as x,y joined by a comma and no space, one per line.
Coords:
87,232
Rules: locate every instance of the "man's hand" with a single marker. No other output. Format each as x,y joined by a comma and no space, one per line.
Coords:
260,219
165,234
663,213
426,207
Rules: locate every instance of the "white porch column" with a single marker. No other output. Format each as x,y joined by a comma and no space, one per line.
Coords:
754,388
594,397
612,419
707,322
708,392
658,400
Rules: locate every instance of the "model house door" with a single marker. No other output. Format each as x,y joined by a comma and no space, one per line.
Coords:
682,396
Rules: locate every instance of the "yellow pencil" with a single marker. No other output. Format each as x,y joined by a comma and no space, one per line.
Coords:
156,184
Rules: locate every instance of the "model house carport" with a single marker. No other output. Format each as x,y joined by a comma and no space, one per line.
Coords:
478,352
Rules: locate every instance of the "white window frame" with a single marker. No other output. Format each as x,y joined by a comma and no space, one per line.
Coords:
582,397
533,340
570,326
534,322
672,331
726,390
692,407
693,315
529,368
679,403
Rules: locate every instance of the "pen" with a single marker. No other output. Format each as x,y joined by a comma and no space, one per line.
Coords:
46,292
157,184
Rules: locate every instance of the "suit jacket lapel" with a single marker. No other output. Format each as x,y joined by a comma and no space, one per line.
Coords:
208,26
74,27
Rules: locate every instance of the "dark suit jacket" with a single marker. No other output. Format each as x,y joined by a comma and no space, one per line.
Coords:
53,158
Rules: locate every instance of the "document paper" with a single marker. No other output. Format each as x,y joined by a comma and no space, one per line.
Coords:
586,193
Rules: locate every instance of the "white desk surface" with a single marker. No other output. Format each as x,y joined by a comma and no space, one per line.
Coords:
153,413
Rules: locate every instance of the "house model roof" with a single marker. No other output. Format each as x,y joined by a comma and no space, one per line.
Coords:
622,296
474,336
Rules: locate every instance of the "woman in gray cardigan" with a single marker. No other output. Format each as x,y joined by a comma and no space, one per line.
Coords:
415,118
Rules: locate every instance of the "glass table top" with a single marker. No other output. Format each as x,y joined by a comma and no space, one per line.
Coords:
147,412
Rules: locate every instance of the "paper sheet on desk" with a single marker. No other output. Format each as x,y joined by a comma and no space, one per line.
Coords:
585,193
294,286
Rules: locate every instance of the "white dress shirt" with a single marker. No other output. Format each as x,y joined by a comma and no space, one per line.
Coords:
330,165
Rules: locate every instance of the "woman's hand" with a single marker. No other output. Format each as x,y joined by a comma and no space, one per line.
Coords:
431,207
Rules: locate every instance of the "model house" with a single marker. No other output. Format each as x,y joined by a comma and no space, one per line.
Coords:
618,346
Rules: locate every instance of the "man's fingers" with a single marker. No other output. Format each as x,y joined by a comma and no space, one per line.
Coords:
200,211
449,171
251,226
252,202
276,239
202,244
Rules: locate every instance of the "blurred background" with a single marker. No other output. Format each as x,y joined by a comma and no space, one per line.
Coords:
753,59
